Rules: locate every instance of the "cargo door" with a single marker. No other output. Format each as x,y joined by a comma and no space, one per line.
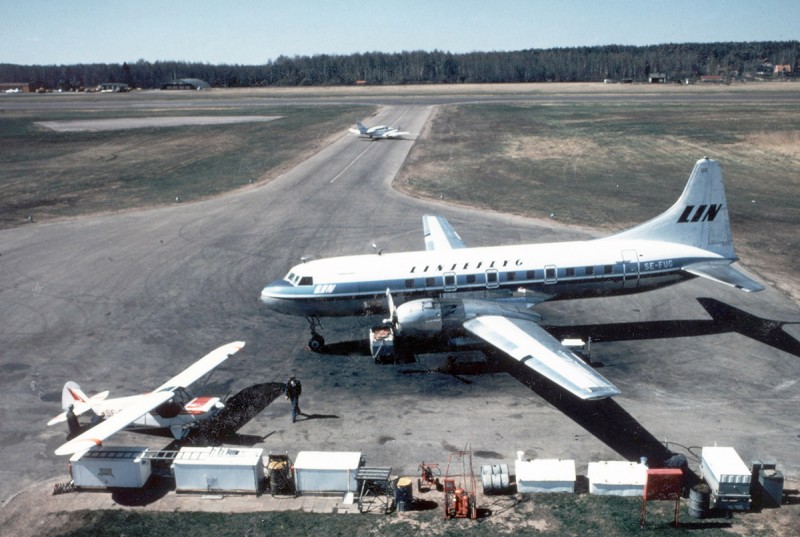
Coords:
630,269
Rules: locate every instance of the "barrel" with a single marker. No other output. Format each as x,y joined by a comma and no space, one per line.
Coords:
495,478
699,501
404,494
279,482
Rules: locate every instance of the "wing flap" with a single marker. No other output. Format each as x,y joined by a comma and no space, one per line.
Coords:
723,272
531,345
439,234
205,364
95,436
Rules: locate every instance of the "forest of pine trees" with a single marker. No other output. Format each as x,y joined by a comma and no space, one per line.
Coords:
678,62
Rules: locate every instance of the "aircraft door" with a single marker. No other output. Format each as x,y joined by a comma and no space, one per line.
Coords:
550,274
492,281
630,267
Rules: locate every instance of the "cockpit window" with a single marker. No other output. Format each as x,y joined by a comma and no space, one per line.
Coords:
290,277
306,280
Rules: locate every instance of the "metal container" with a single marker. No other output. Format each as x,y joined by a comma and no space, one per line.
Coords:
728,477
326,471
103,467
545,475
617,478
771,487
218,469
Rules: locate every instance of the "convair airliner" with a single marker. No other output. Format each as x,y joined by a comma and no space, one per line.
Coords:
490,292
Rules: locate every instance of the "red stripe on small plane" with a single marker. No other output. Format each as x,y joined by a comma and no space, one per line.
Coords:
76,396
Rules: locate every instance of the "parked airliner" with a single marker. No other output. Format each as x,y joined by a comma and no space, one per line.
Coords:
490,292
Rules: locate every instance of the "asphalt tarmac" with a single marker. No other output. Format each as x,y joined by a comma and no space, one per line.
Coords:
121,302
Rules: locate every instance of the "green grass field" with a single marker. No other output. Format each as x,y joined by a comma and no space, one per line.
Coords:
611,166
47,174
541,514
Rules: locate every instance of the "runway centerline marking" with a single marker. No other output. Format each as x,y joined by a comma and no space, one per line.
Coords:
352,162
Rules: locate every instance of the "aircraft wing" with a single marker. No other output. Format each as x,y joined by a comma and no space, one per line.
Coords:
439,234
531,345
723,272
95,436
394,134
205,364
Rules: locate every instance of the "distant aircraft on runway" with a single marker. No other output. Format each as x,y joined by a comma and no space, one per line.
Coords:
167,407
501,284
378,132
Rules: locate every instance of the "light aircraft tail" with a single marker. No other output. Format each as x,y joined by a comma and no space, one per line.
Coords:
699,218
73,396
360,130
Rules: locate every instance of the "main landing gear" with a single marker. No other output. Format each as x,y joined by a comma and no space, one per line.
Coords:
317,342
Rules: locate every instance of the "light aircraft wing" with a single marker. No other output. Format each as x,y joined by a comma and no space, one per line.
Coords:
439,234
531,345
395,134
723,272
95,436
205,364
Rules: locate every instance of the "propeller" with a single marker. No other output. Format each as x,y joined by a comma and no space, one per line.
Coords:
392,312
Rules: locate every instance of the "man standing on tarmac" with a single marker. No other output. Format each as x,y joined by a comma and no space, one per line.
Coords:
293,390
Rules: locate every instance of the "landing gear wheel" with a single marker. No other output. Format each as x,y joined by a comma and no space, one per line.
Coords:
316,343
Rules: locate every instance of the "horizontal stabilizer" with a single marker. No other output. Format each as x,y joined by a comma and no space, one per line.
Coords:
73,396
533,347
439,234
723,272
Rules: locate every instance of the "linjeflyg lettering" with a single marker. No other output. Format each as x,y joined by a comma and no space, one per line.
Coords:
478,265
699,213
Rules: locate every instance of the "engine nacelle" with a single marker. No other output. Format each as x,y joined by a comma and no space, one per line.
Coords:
435,317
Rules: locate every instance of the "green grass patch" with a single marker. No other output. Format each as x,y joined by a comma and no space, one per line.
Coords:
544,514
45,173
613,165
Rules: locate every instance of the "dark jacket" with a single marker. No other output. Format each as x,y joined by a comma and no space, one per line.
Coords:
293,388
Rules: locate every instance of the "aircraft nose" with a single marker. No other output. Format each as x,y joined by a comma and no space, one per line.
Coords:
271,294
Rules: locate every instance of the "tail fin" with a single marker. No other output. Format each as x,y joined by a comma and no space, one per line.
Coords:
699,218
72,396
361,128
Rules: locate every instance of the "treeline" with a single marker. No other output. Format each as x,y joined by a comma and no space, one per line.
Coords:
581,64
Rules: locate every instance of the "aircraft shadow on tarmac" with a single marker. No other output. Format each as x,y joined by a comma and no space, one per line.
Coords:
606,419
239,409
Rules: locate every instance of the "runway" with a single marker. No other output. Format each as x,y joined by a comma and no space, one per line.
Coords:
123,301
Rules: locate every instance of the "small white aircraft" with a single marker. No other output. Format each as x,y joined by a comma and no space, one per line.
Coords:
452,291
168,406
378,132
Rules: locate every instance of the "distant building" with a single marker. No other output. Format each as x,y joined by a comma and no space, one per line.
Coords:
112,87
711,79
783,69
186,84
14,87
657,78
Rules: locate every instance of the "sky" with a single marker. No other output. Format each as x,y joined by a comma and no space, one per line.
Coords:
252,32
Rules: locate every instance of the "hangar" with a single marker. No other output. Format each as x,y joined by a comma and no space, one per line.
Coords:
186,84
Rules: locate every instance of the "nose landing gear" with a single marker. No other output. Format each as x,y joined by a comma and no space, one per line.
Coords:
317,342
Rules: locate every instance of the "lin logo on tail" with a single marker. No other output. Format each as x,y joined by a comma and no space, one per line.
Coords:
700,213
